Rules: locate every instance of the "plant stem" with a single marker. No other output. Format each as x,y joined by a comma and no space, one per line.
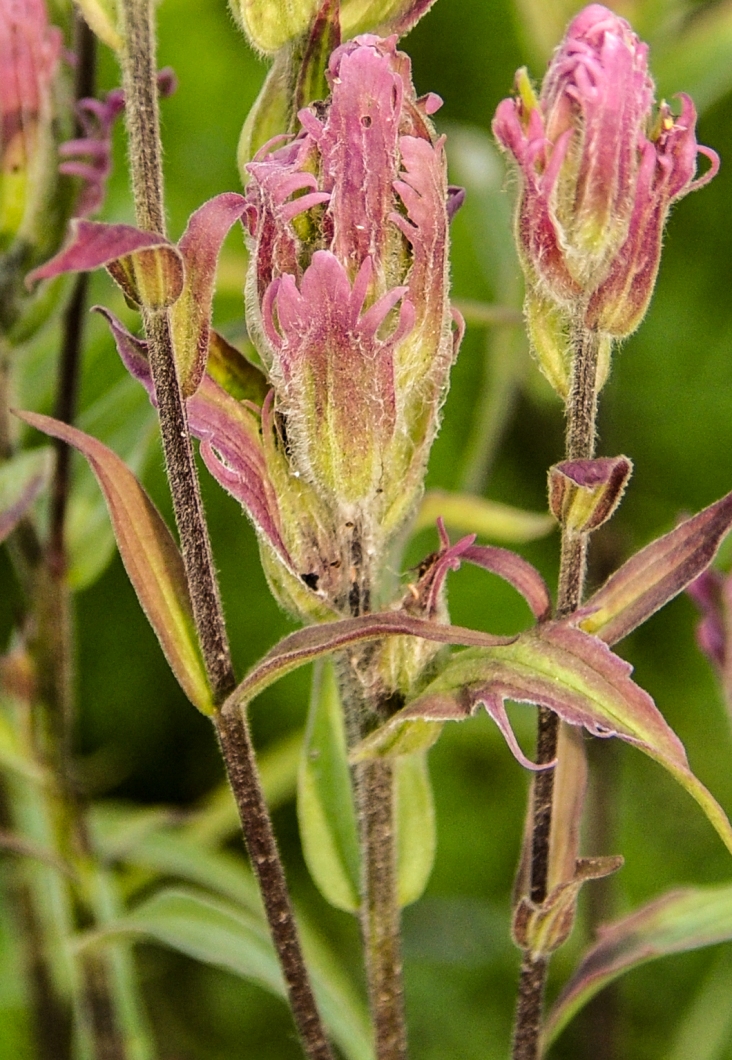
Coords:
238,753
373,786
581,412
141,95
141,111
380,916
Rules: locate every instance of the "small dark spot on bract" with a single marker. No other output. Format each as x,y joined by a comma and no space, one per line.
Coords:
311,580
366,121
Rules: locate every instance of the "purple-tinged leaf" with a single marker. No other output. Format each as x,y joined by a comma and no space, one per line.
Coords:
567,671
655,574
22,478
426,597
150,556
681,920
190,316
311,643
517,571
147,266
229,434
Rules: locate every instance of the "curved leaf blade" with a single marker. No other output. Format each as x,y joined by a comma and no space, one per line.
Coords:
150,556
229,937
655,575
313,642
678,921
571,673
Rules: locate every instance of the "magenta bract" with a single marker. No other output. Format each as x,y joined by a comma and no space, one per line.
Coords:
599,171
348,290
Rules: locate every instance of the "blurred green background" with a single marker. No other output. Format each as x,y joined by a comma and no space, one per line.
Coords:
668,406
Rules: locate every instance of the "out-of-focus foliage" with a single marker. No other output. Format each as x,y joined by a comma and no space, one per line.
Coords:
668,405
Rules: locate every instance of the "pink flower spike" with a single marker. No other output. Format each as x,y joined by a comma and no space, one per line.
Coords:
596,185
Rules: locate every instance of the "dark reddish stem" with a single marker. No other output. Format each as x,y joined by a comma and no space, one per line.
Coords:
581,411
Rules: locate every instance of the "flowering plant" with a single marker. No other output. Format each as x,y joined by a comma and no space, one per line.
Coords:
318,417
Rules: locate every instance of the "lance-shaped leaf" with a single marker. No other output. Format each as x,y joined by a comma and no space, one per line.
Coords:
306,645
517,571
571,673
190,316
21,480
150,556
147,266
655,574
681,920
226,935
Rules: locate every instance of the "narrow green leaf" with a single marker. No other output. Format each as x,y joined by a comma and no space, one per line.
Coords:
147,840
678,921
415,826
325,809
22,478
150,556
571,673
327,816
469,514
231,938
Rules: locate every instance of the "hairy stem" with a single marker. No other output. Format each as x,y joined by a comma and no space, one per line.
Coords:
141,94
380,919
141,111
373,785
581,412
238,753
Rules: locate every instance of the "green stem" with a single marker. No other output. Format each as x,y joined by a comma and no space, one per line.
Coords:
581,411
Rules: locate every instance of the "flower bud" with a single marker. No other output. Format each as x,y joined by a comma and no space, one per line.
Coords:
348,289
598,175
271,24
584,494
